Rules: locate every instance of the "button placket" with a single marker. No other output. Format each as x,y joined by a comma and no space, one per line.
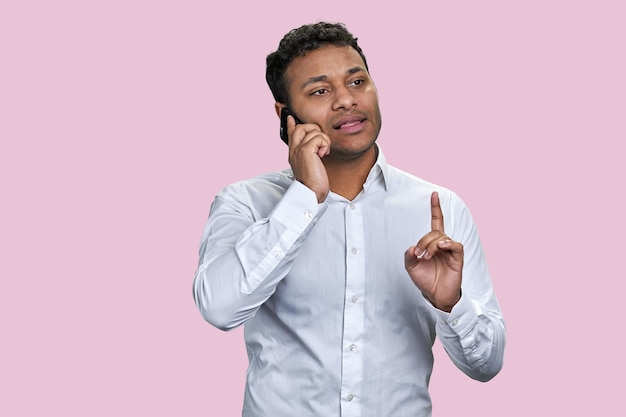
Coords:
353,326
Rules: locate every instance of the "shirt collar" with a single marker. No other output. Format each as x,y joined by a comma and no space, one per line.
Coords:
380,168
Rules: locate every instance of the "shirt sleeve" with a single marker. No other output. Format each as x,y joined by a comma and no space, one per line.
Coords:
242,258
473,333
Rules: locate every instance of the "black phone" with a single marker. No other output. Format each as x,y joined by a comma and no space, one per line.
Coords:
283,123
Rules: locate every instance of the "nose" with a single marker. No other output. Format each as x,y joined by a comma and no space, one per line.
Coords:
344,99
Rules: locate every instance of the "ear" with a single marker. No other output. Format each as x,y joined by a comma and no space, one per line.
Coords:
279,107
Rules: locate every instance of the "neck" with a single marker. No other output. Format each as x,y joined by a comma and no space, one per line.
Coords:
346,177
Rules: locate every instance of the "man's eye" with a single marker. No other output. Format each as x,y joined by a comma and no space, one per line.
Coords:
319,92
357,82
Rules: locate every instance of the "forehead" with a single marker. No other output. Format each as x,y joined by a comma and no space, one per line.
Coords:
328,60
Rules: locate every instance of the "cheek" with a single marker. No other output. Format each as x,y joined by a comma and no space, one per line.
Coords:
318,117
372,97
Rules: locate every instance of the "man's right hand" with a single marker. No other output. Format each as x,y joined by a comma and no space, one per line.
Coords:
307,146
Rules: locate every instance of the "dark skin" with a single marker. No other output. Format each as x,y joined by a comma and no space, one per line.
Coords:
332,92
334,149
435,264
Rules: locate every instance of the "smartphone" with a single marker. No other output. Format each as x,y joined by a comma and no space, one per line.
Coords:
283,123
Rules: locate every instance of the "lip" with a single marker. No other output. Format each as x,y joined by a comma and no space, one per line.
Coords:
350,124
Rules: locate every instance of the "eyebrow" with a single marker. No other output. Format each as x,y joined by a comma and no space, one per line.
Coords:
319,78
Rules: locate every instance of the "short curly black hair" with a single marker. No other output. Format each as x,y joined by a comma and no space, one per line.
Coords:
297,43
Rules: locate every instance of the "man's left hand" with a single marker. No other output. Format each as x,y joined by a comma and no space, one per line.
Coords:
435,264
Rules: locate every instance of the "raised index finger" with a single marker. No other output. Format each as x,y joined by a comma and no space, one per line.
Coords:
436,220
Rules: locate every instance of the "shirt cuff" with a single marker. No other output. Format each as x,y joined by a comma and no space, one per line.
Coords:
298,208
459,321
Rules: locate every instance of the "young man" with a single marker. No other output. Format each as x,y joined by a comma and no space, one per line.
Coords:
341,306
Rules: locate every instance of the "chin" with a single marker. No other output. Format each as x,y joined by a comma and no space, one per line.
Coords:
348,152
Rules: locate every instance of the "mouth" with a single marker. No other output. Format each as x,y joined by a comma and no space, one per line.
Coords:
350,124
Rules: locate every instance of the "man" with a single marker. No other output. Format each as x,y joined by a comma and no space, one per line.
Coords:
343,268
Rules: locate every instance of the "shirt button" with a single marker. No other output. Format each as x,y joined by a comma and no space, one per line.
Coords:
352,207
352,347
308,214
355,250
350,397
276,254
355,299
454,322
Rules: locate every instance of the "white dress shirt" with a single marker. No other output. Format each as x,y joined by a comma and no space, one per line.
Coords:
334,326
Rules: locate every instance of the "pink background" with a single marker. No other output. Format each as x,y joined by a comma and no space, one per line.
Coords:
121,120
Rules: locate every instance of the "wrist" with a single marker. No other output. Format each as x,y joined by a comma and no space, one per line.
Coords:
321,197
446,307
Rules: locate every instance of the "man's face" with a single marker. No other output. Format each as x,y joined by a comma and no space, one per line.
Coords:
331,88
